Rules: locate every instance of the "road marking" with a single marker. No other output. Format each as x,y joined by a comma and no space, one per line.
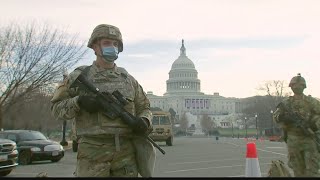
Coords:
212,167
244,176
195,162
275,147
272,152
232,143
237,145
189,155
24,173
263,149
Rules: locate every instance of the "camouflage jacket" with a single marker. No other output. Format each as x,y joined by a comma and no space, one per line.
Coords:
65,106
307,107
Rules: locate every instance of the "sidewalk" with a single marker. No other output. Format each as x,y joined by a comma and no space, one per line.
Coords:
69,146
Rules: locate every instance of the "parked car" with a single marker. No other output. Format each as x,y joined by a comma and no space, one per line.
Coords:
8,156
34,146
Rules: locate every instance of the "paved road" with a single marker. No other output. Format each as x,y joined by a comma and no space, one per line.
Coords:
188,157
203,157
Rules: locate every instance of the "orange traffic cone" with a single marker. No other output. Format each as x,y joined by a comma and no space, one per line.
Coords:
252,163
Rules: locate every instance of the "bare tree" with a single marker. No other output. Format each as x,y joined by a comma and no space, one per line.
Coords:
32,58
277,90
173,115
31,113
206,123
272,93
184,124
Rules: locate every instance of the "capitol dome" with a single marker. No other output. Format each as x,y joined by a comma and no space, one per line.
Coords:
183,62
183,76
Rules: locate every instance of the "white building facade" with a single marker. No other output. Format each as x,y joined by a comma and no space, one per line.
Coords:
183,93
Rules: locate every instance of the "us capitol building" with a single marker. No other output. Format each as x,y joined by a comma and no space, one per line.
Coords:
183,93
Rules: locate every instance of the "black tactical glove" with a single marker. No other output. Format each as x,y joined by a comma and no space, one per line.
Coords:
140,126
88,103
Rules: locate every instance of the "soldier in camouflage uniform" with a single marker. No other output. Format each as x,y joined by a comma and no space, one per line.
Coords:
106,146
303,154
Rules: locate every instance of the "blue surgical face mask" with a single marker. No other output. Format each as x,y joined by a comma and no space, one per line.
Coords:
110,54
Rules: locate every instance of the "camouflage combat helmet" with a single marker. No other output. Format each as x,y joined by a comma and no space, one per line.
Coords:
298,79
106,31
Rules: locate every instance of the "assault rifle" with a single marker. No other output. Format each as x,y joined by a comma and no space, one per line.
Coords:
113,106
299,122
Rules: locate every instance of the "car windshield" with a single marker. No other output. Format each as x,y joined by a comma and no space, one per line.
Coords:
32,135
164,120
155,120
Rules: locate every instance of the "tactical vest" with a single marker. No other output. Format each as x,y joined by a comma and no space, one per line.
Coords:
302,107
97,123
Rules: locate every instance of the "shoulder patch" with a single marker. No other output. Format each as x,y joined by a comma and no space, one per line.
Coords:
81,68
124,75
74,75
60,93
311,99
123,72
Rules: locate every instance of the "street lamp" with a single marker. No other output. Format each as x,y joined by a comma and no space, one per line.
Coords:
271,122
232,129
238,131
245,124
257,125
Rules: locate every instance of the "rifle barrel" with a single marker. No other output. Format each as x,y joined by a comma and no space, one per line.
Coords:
156,145
124,114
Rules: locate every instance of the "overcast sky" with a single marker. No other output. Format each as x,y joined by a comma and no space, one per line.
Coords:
235,45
